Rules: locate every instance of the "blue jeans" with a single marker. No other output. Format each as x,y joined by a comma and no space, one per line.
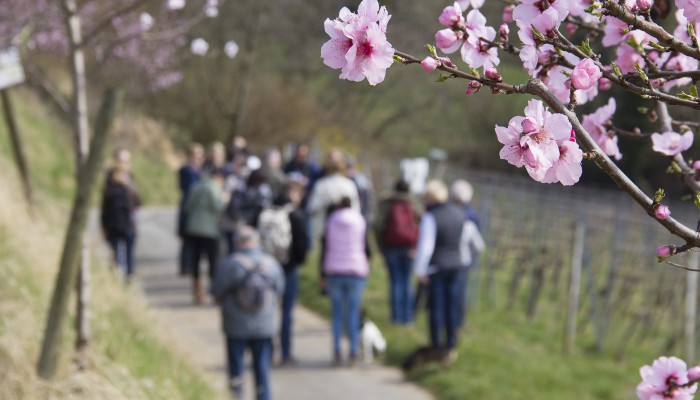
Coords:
291,289
123,249
463,279
345,292
400,271
445,296
262,353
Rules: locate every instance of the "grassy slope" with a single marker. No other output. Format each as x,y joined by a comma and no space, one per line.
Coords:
502,355
129,357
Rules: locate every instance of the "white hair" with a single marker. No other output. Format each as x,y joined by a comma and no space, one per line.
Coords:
461,191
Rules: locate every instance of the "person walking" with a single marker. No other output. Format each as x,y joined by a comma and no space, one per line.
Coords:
439,263
461,193
345,266
120,201
188,175
298,248
204,205
397,234
248,286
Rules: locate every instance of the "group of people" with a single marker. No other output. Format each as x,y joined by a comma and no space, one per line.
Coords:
254,219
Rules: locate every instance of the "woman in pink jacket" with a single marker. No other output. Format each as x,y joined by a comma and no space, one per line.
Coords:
345,266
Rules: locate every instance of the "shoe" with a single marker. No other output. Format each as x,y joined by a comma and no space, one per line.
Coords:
337,361
353,361
289,362
197,291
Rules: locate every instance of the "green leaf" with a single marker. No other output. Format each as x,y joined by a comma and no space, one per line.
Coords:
686,96
659,195
585,47
432,50
537,35
442,78
475,72
616,70
398,59
693,90
642,110
641,73
657,46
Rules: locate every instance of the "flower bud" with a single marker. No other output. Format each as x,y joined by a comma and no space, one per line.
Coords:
604,84
473,87
451,16
447,62
429,64
694,373
656,83
445,38
504,32
664,252
585,74
529,124
662,212
572,136
644,5
493,74
696,166
570,28
508,14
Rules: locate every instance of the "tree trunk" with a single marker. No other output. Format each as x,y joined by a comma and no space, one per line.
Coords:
81,128
17,147
57,316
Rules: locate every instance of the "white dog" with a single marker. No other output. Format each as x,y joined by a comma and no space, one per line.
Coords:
372,340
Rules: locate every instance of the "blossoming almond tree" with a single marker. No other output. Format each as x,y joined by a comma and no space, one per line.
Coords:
560,45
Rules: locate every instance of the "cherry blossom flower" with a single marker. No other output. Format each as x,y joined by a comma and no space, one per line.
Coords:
448,40
694,373
627,58
451,16
662,253
528,10
477,52
176,4
473,87
662,212
358,44
666,376
199,47
596,125
536,141
559,84
585,74
681,31
671,143
473,3
493,74
644,5
615,31
429,64
504,32
691,9
146,21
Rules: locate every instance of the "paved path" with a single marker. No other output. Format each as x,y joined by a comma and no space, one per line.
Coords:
197,330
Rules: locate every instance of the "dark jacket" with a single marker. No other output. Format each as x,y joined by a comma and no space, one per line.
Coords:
449,221
119,202
299,222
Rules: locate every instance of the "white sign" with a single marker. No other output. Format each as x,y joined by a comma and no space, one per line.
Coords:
11,72
415,172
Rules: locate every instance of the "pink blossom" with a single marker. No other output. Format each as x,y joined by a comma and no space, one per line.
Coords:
644,5
696,165
176,4
557,81
662,253
567,169
604,84
477,53
492,73
199,47
504,32
473,3
627,58
429,64
473,87
681,31
358,44
671,143
528,10
664,378
585,74
596,125
231,49
508,14
451,16
615,31
694,373
577,8
537,146
691,9
662,212
146,21
447,40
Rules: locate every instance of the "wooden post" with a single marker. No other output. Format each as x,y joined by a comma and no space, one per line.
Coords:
73,243
691,296
17,147
575,284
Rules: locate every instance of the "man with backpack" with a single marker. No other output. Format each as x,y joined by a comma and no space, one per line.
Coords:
248,286
397,234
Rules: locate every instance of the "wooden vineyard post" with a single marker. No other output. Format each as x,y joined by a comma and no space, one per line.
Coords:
691,296
575,284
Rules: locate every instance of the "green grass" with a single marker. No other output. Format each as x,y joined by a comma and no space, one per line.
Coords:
502,354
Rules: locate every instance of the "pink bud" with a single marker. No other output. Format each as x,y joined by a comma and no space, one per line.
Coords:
451,16
493,74
662,212
529,124
585,74
473,87
445,38
570,28
604,84
572,136
508,14
429,64
446,62
504,32
696,165
664,252
644,5
656,83
694,373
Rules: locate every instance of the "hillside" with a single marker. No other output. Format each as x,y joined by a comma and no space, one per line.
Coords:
130,357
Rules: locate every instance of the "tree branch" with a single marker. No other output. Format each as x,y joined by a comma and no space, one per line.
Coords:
107,21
